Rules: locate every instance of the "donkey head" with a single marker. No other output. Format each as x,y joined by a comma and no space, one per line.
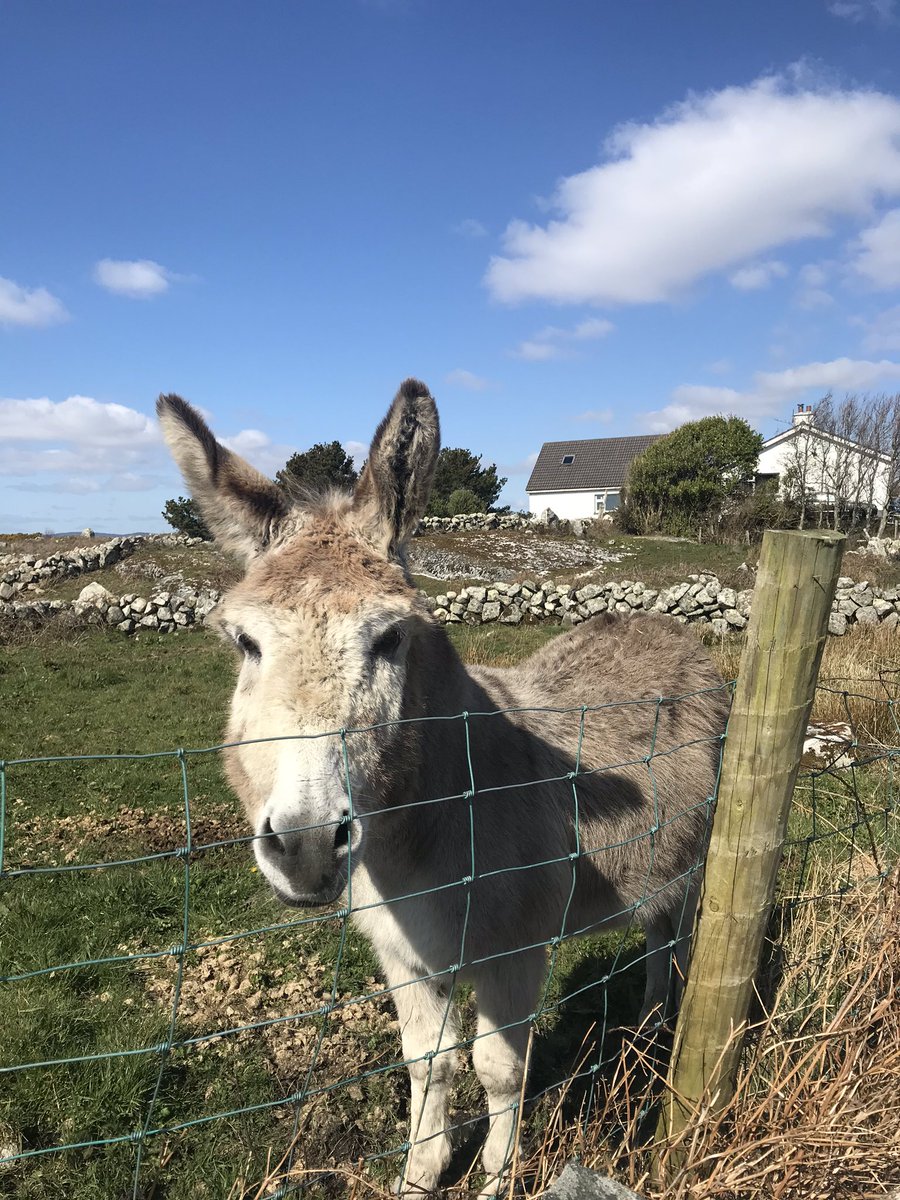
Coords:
334,640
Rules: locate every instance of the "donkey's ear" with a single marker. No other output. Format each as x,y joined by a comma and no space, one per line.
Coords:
395,484
241,507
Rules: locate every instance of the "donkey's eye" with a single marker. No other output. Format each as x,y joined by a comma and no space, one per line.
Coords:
388,643
250,648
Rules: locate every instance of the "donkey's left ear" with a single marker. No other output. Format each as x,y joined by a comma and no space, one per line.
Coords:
394,487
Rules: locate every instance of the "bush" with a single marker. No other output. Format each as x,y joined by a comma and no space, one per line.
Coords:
460,470
462,501
324,465
184,516
687,480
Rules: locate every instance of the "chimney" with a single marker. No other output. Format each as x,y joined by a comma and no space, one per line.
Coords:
803,416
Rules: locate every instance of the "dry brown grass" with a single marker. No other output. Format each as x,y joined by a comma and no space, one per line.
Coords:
859,681
816,1112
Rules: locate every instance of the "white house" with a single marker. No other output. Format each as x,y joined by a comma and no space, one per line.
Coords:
831,469
583,478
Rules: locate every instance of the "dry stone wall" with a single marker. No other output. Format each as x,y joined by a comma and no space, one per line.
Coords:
474,521
23,574
701,599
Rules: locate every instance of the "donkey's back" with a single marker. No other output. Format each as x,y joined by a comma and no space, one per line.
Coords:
623,718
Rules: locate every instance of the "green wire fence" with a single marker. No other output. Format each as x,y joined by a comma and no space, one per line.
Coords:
128,1113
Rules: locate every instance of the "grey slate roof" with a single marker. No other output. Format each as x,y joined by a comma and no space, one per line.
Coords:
599,463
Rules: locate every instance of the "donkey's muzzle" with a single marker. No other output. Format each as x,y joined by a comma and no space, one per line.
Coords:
306,865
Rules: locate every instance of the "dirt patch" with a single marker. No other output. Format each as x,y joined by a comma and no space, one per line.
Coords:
236,985
46,841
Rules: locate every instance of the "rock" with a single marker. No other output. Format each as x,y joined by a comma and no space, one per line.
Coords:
548,518
491,611
511,615
7,591
735,619
866,615
578,1183
837,624
828,746
114,615
87,532
95,593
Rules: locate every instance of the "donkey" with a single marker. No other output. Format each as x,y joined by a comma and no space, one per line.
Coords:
371,761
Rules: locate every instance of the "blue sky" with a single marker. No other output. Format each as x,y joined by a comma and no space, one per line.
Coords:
571,218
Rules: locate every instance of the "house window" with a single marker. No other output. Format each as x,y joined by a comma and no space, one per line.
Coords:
568,459
605,502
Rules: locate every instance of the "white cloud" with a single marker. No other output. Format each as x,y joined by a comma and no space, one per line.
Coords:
259,449
773,392
861,10
34,307
470,228
523,467
712,183
877,249
537,351
137,279
466,379
813,275
883,333
553,342
721,366
602,416
79,419
758,275
358,451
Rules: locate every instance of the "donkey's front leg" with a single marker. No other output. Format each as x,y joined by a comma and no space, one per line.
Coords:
507,992
428,1026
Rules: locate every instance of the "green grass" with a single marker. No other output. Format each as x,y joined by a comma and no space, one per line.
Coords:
101,694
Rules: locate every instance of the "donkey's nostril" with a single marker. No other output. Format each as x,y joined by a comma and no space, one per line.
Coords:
342,833
273,842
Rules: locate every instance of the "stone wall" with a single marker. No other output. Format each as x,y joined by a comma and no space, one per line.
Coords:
701,599
163,612
22,574
474,521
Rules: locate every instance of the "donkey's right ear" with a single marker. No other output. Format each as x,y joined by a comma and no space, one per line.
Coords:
241,507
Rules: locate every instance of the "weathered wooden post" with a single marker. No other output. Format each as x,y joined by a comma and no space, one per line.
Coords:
786,634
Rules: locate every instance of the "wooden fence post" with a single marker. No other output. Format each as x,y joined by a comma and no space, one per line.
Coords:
795,586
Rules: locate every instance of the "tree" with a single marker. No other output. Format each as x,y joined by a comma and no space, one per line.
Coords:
461,470
325,465
184,516
685,480
462,501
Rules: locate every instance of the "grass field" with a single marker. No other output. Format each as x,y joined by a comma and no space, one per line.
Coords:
86,952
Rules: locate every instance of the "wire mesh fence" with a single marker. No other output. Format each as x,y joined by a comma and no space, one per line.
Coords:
170,1030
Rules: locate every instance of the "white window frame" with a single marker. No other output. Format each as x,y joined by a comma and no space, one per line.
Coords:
601,499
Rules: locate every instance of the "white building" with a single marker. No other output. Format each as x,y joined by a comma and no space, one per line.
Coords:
831,469
584,478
